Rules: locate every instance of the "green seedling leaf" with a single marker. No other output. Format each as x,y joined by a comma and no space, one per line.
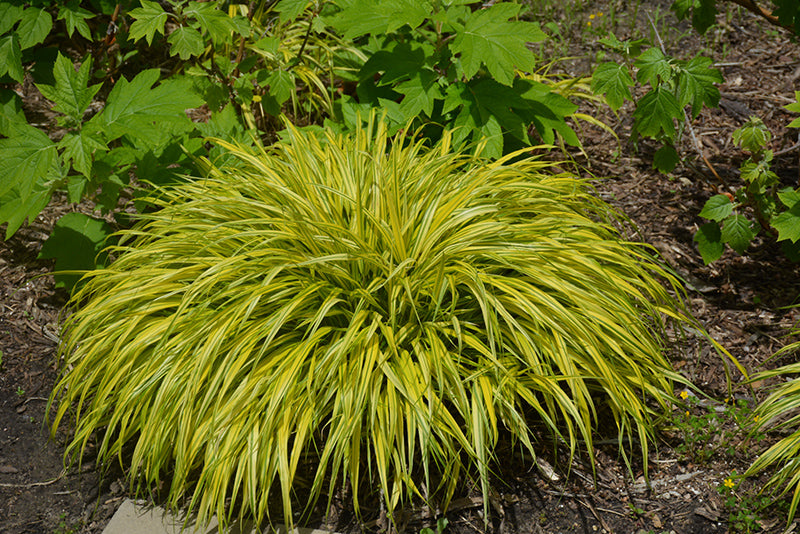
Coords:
666,158
138,109
613,80
186,42
788,224
34,26
379,17
490,39
281,86
696,82
11,57
149,19
70,92
420,93
709,242
653,67
753,136
738,232
75,18
217,23
25,156
75,244
717,208
10,13
656,113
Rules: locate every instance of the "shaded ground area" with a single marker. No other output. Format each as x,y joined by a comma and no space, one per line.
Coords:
741,301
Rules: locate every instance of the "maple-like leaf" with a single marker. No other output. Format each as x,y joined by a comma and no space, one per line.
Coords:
696,82
397,61
79,148
149,19
25,156
704,15
186,42
489,38
378,17
653,67
16,207
421,91
613,80
71,92
137,109
210,19
75,18
656,113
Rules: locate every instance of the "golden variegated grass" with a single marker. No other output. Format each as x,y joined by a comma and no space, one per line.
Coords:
386,309
781,411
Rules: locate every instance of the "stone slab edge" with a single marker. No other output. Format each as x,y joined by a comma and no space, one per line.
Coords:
133,518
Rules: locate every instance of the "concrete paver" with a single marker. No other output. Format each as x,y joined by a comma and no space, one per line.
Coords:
134,518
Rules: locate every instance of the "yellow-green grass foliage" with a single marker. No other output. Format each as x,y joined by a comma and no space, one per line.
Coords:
365,309
781,411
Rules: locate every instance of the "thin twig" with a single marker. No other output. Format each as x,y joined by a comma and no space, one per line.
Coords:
35,484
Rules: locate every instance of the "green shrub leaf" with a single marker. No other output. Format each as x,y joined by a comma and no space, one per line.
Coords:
16,207
75,244
10,13
290,9
34,26
420,93
613,80
186,42
738,232
788,224
717,208
704,15
75,18
25,157
379,17
11,57
79,148
656,113
653,67
149,19
666,158
210,19
709,242
71,92
789,197
696,82
138,109
490,39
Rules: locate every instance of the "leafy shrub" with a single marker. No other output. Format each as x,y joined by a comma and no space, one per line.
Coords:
759,205
674,85
451,66
359,308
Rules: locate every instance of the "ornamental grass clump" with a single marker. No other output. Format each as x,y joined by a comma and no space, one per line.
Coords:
780,411
365,311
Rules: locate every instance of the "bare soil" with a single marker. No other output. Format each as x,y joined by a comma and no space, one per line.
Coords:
742,301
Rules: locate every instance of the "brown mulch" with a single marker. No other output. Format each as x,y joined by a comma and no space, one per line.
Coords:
741,301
